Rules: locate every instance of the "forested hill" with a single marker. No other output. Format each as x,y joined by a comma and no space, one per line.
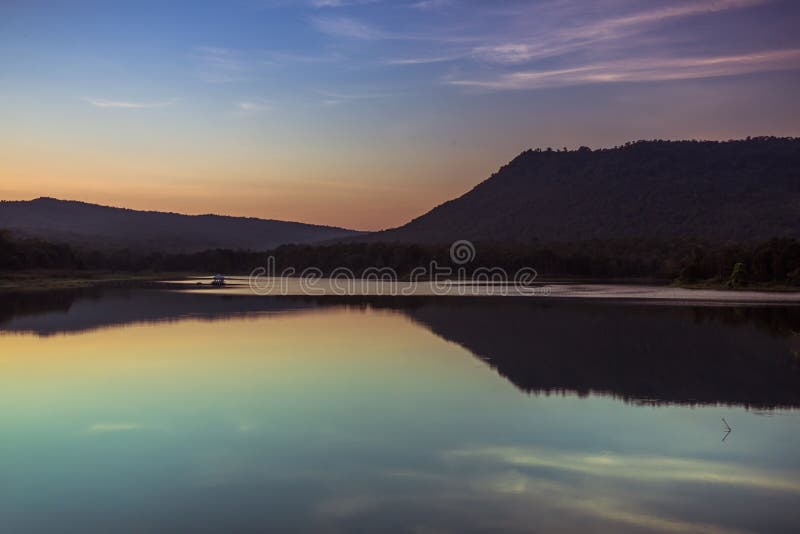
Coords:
104,227
742,190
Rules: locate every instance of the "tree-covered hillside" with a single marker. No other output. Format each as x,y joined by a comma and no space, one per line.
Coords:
743,190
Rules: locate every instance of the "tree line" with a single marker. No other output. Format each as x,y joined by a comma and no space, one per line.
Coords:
776,261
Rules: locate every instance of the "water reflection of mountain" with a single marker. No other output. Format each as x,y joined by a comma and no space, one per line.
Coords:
77,310
640,353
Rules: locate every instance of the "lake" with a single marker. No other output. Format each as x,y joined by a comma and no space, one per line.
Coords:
164,411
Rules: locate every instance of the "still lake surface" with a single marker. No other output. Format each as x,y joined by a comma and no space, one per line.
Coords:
164,411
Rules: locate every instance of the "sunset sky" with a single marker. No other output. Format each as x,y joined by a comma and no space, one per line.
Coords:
365,113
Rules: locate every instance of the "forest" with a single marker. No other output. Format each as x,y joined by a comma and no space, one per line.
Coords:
688,262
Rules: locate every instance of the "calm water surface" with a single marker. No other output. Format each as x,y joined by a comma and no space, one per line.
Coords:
155,411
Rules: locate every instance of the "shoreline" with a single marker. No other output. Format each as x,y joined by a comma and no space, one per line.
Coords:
45,280
595,291
557,289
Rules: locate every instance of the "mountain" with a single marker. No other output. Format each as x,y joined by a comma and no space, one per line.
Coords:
745,190
95,226
735,190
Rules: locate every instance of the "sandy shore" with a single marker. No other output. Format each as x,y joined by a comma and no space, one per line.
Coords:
667,293
653,293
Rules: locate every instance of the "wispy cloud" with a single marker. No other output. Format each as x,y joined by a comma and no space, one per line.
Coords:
422,60
562,42
511,52
254,105
340,3
312,4
519,45
126,104
223,65
347,27
333,98
638,19
644,69
431,4
289,57
558,33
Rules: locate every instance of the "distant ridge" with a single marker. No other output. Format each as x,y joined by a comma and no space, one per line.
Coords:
745,190
742,190
96,226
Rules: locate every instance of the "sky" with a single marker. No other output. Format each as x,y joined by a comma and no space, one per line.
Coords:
365,113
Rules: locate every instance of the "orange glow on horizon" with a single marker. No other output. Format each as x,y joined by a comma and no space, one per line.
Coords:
372,214
288,193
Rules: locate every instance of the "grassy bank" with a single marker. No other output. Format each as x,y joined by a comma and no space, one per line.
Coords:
37,280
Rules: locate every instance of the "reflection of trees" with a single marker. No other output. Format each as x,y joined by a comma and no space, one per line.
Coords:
36,302
778,320
642,353
61,311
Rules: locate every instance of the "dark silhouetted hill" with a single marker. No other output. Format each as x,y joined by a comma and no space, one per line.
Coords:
736,190
95,226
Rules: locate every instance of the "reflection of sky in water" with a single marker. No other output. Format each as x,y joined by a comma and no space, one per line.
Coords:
338,419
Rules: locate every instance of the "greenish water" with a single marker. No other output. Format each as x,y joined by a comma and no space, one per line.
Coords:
148,411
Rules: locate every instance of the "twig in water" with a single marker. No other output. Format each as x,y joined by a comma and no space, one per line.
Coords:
727,426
